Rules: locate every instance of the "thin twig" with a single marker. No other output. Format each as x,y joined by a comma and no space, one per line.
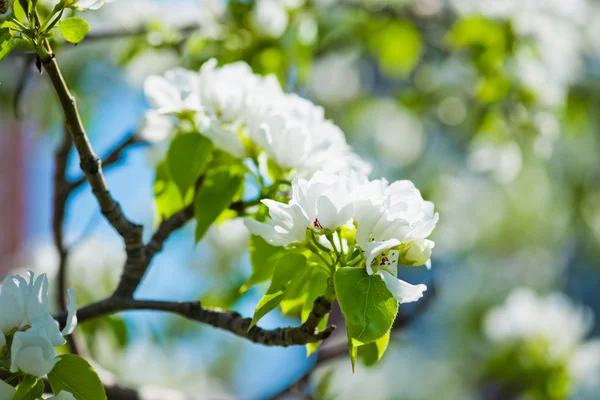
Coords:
59,206
113,157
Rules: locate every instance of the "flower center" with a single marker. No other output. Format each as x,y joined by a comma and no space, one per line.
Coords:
3,6
317,224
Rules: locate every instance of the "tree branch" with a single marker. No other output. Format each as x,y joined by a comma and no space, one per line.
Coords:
226,320
112,158
338,350
133,273
59,206
125,33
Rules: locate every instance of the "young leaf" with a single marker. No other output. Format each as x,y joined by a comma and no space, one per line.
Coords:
73,374
353,354
368,306
7,42
187,158
287,267
262,257
73,29
216,194
166,195
372,352
303,291
28,389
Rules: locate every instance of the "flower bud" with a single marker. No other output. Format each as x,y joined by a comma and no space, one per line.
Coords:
416,252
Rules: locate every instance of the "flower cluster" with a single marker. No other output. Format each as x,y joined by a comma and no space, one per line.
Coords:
27,329
248,115
383,224
553,319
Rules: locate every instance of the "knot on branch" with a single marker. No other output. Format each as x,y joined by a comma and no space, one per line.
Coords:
91,165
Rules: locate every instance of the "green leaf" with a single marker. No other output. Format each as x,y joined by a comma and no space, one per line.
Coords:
262,258
287,267
353,354
324,386
7,42
372,352
368,306
395,60
73,374
216,194
73,29
187,158
29,389
303,291
166,195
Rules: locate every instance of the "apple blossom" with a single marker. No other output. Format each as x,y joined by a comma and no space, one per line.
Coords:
32,352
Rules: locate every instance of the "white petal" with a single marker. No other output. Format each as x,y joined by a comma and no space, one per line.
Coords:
373,249
63,395
71,322
327,213
402,291
7,392
161,94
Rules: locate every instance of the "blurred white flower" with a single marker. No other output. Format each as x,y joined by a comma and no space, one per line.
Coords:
229,237
527,316
63,395
32,352
336,78
7,391
92,4
270,18
244,114
505,160
584,367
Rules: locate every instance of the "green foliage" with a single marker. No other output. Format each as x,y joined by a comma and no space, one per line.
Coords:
216,194
305,288
75,375
166,194
372,352
287,268
187,158
30,388
73,29
262,257
368,306
7,42
398,47
528,365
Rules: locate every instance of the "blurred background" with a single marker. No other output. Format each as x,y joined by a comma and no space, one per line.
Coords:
489,106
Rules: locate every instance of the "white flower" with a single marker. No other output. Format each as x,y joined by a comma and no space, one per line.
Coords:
22,304
526,316
156,127
584,367
393,222
7,392
322,203
270,18
393,216
63,395
32,352
92,4
246,114
173,93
